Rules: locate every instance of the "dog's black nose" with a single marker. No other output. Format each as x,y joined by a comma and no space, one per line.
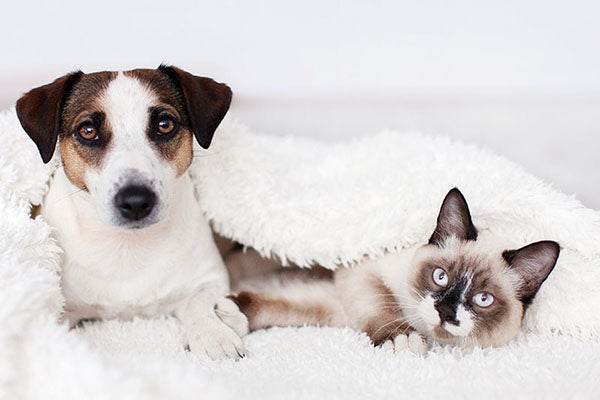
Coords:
135,202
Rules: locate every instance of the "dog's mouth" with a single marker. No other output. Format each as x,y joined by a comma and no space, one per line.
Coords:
138,225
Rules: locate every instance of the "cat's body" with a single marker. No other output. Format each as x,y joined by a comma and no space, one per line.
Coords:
459,288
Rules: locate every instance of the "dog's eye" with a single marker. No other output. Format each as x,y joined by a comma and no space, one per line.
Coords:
165,126
88,132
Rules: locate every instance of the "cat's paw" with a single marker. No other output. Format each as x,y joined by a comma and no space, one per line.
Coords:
396,344
387,346
417,343
231,315
401,343
217,341
412,342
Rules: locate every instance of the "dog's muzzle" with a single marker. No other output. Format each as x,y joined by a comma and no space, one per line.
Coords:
135,202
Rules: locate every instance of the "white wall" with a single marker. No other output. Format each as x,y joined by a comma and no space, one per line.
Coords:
316,46
522,77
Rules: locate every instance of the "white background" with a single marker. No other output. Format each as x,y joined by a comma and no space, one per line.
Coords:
521,77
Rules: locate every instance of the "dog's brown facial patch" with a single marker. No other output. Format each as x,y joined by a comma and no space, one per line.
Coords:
177,146
83,107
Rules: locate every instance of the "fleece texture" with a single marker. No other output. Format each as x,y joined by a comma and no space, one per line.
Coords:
306,203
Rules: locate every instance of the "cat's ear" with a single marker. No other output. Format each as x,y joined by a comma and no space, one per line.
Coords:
533,263
454,220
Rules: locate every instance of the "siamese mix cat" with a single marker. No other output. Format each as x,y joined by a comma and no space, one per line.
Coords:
460,288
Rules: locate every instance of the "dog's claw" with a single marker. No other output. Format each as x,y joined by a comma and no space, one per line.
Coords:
218,343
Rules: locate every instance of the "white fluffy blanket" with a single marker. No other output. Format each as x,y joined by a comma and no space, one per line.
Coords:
307,202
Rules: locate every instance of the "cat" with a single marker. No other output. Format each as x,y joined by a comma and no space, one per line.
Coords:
456,289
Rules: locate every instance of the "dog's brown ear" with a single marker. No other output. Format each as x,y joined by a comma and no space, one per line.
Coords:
39,112
206,102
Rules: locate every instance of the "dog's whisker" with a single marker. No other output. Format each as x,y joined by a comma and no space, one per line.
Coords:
199,155
70,194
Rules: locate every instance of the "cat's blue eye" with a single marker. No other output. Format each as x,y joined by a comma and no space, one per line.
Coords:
483,299
440,277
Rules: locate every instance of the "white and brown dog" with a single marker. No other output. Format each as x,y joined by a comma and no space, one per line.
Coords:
135,240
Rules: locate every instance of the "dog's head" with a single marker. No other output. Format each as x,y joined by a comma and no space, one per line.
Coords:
125,137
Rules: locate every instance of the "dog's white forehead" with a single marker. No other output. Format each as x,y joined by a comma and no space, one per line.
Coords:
126,103
130,157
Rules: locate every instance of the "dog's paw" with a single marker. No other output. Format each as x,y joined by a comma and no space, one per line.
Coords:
217,342
231,315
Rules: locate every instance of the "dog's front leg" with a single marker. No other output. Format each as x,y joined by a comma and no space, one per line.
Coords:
206,333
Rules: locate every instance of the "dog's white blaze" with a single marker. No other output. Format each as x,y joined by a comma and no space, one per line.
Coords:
466,323
127,104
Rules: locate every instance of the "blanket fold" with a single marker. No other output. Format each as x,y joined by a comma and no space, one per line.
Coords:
306,203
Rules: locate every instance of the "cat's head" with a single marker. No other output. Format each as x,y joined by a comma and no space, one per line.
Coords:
466,293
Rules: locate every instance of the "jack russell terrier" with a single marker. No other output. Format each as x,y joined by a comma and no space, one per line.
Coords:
122,203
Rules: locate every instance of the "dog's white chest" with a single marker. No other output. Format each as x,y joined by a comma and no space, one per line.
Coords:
115,273
120,279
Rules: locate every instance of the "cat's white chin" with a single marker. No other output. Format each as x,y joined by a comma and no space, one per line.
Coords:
442,333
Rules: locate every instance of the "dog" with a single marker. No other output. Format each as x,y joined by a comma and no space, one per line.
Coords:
122,203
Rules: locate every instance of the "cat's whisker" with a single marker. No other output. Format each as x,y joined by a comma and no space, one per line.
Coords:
390,323
385,301
382,295
413,318
395,331
395,296
417,293
377,309
392,307
408,298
